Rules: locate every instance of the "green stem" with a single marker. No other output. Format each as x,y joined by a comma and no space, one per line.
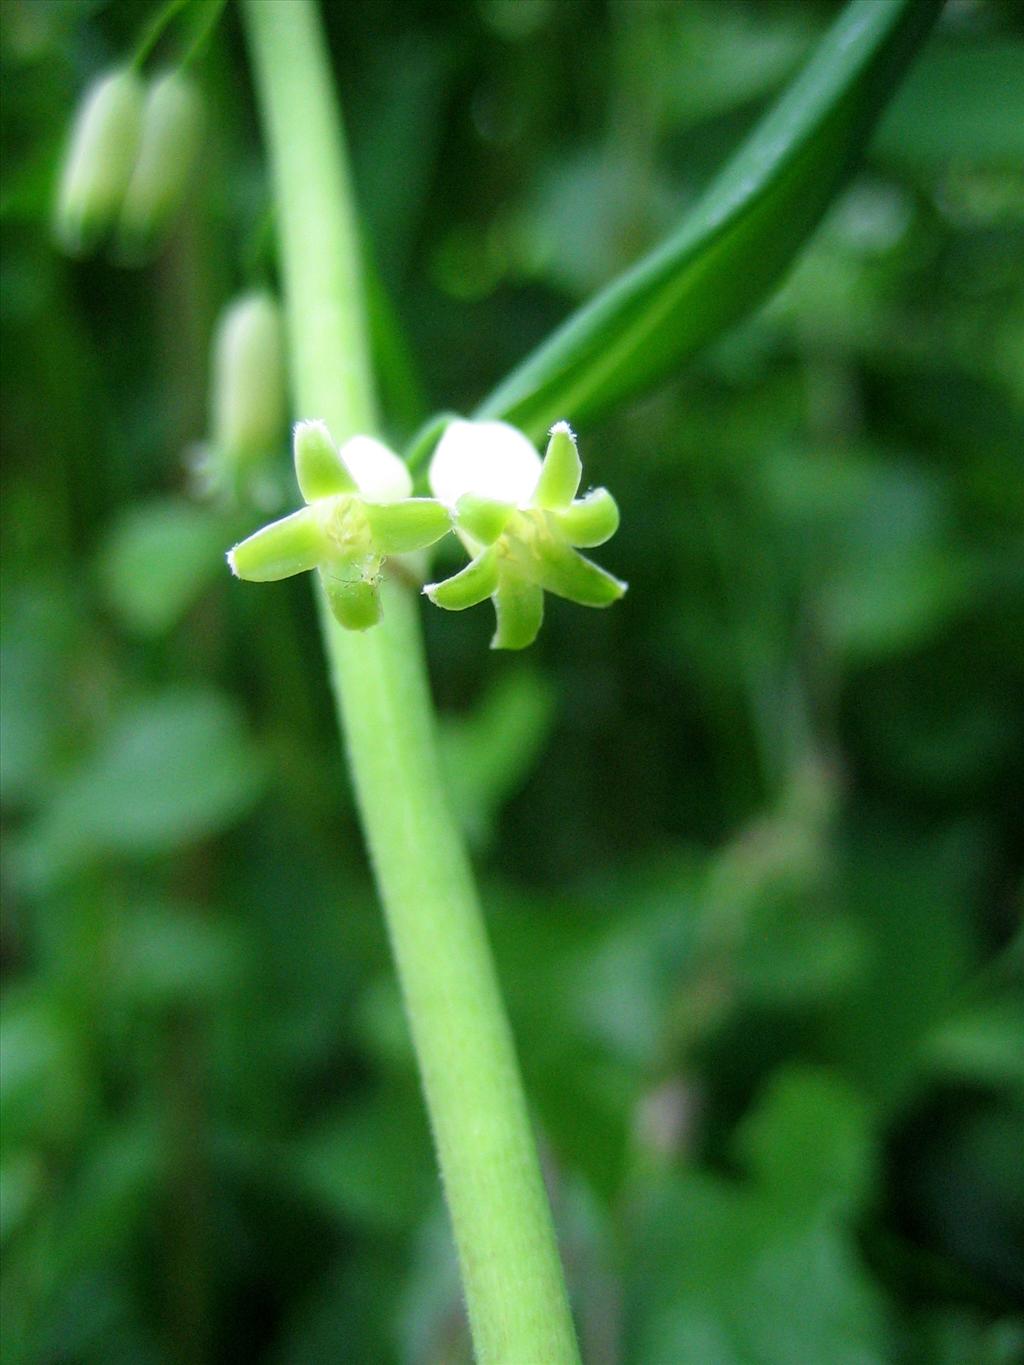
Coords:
511,1273
205,18
154,31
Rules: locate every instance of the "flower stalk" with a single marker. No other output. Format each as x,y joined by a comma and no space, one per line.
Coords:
511,1274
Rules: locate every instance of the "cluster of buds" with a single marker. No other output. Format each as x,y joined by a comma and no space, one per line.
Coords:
131,149
518,517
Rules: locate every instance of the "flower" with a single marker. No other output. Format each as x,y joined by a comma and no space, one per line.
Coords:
521,522
358,511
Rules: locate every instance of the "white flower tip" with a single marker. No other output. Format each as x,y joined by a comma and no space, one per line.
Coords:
230,557
489,459
563,428
379,473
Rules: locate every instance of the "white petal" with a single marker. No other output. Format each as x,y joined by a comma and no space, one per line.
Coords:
491,459
380,475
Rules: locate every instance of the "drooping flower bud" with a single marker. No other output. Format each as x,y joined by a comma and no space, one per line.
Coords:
248,404
249,399
521,522
99,160
171,130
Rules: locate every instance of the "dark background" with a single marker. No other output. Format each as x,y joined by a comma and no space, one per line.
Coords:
750,842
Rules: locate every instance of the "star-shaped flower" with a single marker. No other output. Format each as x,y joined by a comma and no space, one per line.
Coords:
358,511
522,523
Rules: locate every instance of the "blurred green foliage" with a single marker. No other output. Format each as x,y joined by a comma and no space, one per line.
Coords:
751,844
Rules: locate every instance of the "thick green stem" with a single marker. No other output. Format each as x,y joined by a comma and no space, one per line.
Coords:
510,1268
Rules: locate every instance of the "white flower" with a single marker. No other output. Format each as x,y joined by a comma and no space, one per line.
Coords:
521,522
358,512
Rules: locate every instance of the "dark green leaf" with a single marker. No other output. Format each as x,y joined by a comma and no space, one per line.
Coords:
947,109
738,240
175,769
157,559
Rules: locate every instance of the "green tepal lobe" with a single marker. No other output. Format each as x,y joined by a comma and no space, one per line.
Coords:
590,520
483,519
319,468
400,527
561,471
285,547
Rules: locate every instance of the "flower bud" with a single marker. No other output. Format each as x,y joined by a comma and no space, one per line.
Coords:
249,399
171,129
99,160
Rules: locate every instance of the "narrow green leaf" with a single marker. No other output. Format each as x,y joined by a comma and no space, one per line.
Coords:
469,586
591,520
738,240
425,441
411,524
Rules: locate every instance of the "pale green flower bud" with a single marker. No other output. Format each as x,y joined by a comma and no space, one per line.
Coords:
171,130
521,522
249,397
99,160
248,406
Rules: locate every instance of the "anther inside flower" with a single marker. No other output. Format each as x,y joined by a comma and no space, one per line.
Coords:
522,523
358,512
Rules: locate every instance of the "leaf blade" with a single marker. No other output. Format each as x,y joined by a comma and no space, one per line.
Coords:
739,239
